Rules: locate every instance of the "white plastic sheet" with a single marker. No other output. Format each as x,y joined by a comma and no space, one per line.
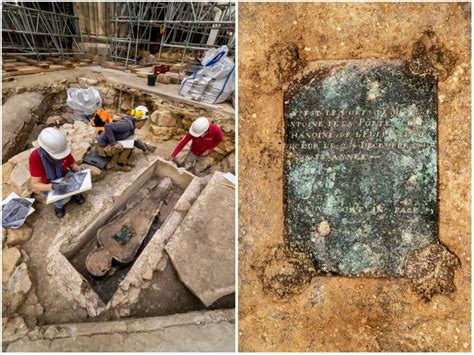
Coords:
83,101
215,82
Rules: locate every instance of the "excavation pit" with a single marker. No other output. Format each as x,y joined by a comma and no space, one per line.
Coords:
148,285
105,286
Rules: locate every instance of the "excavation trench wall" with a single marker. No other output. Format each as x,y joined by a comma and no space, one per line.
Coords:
170,117
129,289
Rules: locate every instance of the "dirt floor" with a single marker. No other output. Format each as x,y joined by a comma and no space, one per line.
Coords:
305,313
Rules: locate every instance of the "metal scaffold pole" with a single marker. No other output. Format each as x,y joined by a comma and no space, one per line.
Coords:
40,29
165,28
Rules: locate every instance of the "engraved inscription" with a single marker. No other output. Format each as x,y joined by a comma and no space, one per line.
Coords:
361,154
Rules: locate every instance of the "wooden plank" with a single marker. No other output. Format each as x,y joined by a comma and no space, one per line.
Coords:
43,65
28,70
9,67
31,61
56,67
53,59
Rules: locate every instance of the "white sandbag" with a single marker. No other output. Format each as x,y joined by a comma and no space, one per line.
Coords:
215,82
84,102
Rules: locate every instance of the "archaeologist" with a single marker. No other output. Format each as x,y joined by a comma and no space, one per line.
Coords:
108,145
51,161
205,137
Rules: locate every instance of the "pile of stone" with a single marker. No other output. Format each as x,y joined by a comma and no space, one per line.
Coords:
20,306
80,136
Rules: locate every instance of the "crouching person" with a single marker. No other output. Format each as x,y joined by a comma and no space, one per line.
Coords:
204,138
108,145
51,161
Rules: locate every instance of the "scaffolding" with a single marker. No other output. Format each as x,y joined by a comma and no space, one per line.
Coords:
40,29
169,27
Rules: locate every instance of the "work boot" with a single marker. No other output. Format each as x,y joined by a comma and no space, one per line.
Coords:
60,211
112,163
130,164
122,167
79,199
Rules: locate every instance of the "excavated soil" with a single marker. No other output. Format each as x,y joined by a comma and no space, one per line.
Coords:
283,306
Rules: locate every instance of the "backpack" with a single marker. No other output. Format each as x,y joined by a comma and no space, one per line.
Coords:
100,119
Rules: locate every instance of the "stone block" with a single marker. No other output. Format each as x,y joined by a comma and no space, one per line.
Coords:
162,133
53,120
210,223
20,179
19,280
88,82
11,257
13,329
166,119
163,79
19,236
163,118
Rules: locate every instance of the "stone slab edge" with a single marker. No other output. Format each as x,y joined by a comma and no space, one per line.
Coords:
207,298
138,325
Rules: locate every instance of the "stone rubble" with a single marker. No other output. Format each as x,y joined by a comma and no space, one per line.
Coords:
19,280
11,257
80,136
13,329
18,236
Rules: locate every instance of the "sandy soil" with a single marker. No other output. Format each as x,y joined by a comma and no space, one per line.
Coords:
276,42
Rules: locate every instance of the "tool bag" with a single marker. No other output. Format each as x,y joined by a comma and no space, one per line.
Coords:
215,82
101,117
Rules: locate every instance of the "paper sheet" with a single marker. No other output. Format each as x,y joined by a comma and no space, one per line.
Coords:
86,185
129,142
230,177
14,195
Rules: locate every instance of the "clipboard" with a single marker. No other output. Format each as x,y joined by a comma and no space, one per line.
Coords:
85,186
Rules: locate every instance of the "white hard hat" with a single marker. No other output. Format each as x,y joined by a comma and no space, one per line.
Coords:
199,127
53,141
140,112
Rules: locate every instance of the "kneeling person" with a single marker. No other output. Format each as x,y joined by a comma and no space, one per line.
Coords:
51,161
204,138
107,143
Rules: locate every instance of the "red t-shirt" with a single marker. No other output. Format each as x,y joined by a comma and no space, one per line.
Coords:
36,165
199,145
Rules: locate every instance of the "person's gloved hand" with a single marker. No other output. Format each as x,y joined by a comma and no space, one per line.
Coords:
59,187
150,148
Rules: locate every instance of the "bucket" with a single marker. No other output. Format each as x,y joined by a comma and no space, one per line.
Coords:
152,79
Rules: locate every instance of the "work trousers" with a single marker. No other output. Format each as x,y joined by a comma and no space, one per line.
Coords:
195,163
119,155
